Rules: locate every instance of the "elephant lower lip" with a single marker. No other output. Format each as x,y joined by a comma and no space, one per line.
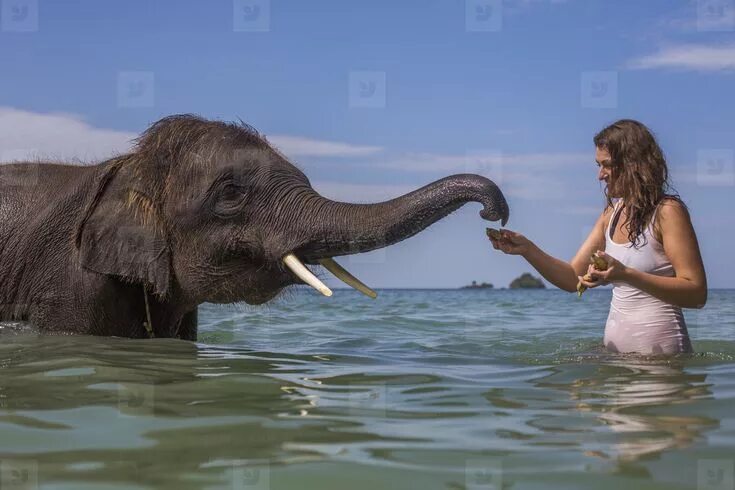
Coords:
310,257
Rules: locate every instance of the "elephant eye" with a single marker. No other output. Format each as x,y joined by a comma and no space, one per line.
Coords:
230,199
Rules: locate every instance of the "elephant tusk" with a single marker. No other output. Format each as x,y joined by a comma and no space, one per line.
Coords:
305,274
343,275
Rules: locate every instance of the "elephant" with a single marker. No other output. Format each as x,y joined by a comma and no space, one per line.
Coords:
197,211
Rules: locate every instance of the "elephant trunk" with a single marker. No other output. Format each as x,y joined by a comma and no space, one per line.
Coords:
342,229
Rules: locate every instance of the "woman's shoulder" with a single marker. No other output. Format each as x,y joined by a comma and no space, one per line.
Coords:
672,206
671,211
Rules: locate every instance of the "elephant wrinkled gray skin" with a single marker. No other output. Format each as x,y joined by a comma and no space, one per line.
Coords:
199,211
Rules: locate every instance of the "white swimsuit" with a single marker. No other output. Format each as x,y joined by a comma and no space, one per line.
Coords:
637,321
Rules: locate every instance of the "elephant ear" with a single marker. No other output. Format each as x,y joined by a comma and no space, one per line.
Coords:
120,234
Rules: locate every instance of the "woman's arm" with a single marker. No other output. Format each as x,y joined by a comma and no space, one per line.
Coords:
689,288
558,272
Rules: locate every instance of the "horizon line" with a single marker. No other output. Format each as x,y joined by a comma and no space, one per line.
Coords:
460,287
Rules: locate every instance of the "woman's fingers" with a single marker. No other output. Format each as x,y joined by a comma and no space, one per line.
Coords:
587,283
515,239
594,278
498,244
506,247
600,277
508,242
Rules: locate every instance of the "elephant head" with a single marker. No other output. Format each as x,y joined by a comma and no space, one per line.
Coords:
210,212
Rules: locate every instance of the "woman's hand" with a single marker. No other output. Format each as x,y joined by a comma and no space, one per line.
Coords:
511,243
615,271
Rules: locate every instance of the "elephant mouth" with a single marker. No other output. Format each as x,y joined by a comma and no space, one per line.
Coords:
298,267
293,270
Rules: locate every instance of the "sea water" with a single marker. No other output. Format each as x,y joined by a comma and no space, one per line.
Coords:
452,389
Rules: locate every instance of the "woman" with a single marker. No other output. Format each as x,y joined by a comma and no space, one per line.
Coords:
647,238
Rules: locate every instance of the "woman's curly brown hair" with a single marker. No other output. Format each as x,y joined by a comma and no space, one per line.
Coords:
639,171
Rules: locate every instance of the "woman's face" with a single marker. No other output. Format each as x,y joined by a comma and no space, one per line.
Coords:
605,174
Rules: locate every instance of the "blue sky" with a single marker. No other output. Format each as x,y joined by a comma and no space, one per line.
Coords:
373,99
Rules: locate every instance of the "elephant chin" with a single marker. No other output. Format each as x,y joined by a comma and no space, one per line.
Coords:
258,298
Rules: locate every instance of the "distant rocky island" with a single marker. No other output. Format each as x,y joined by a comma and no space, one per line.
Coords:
474,285
526,281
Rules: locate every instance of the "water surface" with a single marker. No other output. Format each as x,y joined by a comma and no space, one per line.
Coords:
418,389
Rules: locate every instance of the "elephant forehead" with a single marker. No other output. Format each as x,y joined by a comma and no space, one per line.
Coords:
256,166
238,162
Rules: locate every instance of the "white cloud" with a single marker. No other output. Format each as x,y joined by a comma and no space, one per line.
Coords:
475,161
689,57
697,16
297,146
29,135
58,136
